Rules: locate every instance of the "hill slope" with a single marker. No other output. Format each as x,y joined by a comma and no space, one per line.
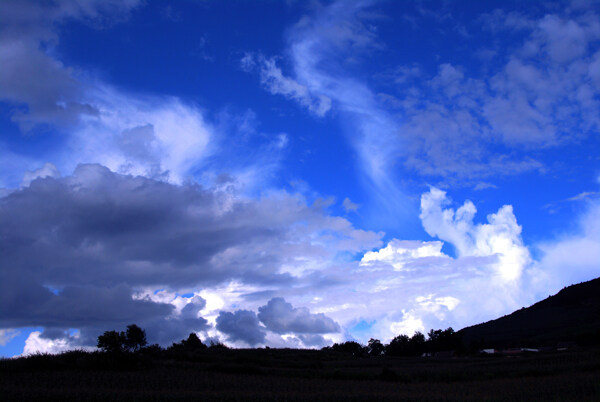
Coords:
573,314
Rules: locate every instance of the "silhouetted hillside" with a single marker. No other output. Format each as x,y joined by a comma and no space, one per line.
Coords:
572,315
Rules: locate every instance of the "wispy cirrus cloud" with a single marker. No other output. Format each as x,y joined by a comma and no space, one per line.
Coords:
320,46
6,335
273,79
462,124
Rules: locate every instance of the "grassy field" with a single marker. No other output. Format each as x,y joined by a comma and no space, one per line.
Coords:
300,375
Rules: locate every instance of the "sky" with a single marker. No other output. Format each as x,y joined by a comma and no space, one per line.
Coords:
291,173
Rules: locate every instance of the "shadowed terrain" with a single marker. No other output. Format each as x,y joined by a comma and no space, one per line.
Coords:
284,374
572,315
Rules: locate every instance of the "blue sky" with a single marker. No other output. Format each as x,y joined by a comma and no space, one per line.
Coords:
292,174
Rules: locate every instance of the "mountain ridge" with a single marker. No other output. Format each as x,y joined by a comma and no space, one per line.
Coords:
571,315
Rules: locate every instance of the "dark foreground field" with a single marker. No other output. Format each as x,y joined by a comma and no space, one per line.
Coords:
292,375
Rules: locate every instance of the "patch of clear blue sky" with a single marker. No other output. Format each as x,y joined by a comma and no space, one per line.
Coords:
361,329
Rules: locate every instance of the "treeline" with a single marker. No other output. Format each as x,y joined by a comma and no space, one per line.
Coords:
437,341
134,340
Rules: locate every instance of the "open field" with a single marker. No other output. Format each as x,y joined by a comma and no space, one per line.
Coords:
297,375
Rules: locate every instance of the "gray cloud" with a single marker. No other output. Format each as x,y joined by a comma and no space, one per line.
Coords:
48,91
97,227
241,326
540,97
76,307
48,170
313,340
76,250
281,317
461,124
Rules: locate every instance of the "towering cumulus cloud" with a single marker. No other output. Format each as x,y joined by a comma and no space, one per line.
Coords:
500,237
431,287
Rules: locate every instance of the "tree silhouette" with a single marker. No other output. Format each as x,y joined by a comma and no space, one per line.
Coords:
111,341
375,347
417,342
440,340
347,347
135,338
399,346
132,340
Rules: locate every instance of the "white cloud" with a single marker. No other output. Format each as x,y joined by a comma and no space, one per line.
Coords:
541,94
235,252
401,287
135,234
321,48
436,304
142,135
48,170
500,237
564,40
334,37
274,80
408,326
349,206
571,258
594,70
247,62
135,133
6,335
402,253
35,343
413,285
449,125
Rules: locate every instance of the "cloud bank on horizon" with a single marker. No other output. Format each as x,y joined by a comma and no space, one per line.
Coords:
291,184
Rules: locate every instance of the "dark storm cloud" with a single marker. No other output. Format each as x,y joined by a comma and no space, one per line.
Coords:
241,326
76,307
75,250
281,317
100,228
